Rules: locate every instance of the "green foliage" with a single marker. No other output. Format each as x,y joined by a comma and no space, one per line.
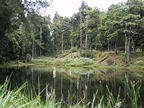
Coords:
122,57
20,33
138,50
73,49
139,61
28,58
110,62
87,53
79,61
133,92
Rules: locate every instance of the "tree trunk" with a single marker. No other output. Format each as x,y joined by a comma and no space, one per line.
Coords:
90,47
71,46
86,40
40,40
115,48
80,30
143,51
126,46
71,43
133,45
56,44
128,50
108,46
125,43
33,48
62,43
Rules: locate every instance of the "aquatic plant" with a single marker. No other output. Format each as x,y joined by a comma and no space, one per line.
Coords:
23,97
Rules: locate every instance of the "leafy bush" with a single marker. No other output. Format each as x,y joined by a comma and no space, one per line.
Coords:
2,59
139,61
74,49
87,53
28,58
138,50
122,57
109,62
84,60
80,60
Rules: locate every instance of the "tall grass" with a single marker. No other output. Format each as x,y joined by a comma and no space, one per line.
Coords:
21,97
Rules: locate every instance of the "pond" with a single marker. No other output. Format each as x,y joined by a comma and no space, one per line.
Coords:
76,84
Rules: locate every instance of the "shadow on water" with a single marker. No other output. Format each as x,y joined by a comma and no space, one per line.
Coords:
74,84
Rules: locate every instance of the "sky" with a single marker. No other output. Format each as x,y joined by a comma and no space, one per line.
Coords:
67,8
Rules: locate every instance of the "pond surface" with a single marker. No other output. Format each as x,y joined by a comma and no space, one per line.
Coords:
75,84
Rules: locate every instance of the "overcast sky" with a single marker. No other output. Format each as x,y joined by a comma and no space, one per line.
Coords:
69,7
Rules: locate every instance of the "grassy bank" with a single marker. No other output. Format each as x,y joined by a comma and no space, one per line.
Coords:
99,60
86,62
15,63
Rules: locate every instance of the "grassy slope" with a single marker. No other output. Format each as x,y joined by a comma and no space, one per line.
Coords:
111,61
99,60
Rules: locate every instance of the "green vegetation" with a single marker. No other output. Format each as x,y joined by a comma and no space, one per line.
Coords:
26,34
100,59
90,38
28,58
18,97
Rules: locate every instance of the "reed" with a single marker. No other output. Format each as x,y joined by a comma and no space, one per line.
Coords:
23,97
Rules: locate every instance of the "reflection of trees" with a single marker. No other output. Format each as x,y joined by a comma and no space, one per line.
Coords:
81,87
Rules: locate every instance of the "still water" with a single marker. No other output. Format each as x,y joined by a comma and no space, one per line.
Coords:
75,84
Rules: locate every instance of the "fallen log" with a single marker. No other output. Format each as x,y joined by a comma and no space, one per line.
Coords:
101,60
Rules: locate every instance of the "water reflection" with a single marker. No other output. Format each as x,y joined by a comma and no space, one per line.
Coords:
54,76
73,84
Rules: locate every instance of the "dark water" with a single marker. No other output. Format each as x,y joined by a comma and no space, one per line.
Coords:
75,84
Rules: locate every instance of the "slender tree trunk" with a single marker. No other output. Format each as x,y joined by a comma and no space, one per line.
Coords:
71,43
108,46
126,46
71,46
125,43
40,40
115,48
133,45
33,48
56,44
90,47
80,30
62,43
86,39
143,51
61,85
128,50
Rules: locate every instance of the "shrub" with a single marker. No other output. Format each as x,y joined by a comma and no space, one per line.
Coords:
122,57
139,61
138,50
83,60
2,59
88,54
28,58
109,62
74,49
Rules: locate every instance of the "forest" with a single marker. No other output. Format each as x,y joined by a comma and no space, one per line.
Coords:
93,59
25,32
